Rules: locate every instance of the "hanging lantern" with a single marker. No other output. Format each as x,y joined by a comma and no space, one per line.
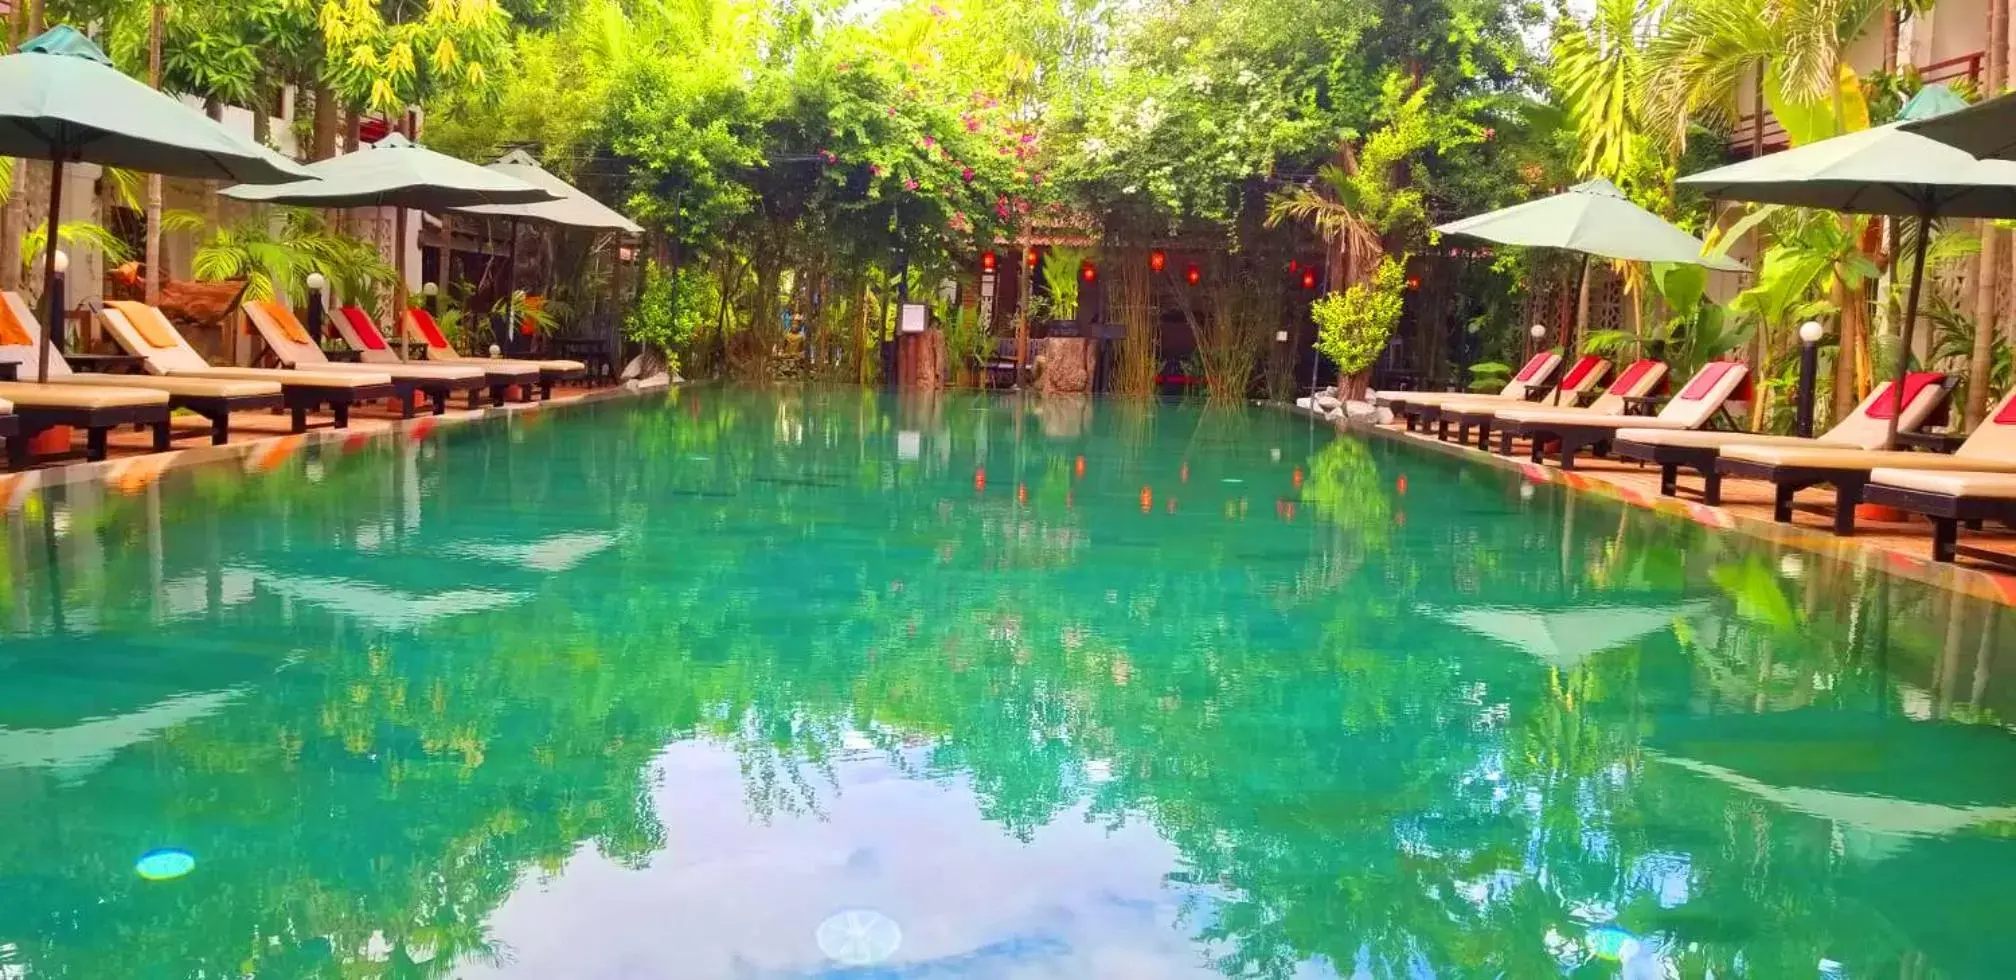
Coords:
1308,279
1088,272
1033,257
1193,275
1413,283
987,261
1157,260
1294,266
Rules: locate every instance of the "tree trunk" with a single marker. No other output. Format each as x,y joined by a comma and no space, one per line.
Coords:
1757,114
325,123
1844,394
155,198
34,20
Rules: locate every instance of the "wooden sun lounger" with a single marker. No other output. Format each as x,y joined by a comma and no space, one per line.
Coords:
1868,427
1581,379
1950,500
146,333
291,345
40,407
213,399
500,376
1990,449
1421,408
419,325
1571,431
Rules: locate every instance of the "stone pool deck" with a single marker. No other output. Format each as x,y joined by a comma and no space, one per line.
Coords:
1903,549
261,440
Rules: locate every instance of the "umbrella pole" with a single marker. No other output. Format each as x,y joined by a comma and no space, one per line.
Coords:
510,286
49,268
1910,323
399,290
1574,325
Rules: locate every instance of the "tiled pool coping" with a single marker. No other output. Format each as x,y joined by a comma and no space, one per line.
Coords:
1864,551
131,474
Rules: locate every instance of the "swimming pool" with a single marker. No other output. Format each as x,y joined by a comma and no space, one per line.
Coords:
836,684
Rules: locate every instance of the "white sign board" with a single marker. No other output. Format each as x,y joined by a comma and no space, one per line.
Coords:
913,319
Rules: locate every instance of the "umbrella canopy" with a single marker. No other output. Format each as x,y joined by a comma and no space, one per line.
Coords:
1594,218
61,99
1985,129
1884,170
396,172
572,208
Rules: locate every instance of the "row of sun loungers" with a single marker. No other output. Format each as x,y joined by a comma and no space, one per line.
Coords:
1975,484
178,377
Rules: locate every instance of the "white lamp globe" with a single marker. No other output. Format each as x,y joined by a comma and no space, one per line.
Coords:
62,262
1811,331
429,290
317,282
1537,332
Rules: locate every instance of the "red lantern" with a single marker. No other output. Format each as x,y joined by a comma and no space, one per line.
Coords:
987,261
1193,275
1088,272
1413,283
1308,279
1033,257
1294,266
1157,260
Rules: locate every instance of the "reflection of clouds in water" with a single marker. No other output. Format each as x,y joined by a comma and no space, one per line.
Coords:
376,605
1077,901
75,750
555,554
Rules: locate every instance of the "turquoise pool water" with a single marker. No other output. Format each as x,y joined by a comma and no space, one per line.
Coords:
785,684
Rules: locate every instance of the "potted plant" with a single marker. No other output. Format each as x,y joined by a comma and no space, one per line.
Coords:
1060,277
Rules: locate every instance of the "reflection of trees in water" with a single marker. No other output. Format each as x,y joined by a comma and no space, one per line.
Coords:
1344,776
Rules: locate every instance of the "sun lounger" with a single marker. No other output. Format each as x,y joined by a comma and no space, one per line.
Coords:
96,410
1581,379
1867,427
1949,499
290,343
1572,432
214,399
419,325
1419,407
146,333
1990,449
357,329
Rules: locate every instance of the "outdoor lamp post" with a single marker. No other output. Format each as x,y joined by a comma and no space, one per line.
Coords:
433,292
317,283
1810,333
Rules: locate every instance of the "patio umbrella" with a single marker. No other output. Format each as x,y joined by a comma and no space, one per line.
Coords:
1887,170
62,101
395,172
1593,218
1567,637
1985,129
570,209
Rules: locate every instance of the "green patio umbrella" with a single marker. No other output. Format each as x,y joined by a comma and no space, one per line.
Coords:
570,209
1567,637
62,101
1886,170
1593,218
1986,129
397,173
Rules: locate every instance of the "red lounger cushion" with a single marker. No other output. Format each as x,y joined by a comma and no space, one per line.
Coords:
1885,405
1580,371
1532,368
2007,416
1627,382
1706,381
366,331
428,331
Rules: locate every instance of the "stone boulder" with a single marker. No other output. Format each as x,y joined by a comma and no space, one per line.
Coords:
1368,413
1065,366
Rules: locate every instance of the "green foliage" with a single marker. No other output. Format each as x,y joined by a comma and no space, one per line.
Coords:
274,262
968,345
669,311
1489,377
1352,326
1060,271
72,235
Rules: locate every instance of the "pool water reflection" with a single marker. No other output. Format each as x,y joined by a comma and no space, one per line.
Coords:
831,684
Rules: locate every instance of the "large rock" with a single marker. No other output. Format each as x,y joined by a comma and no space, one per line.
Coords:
1065,366
1368,413
1326,401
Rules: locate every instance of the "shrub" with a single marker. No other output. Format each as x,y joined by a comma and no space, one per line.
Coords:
1352,327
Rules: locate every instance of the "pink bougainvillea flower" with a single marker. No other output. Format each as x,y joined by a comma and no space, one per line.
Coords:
1036,178
843,66
909,184
929,142
1489,132
828,156
892,110
937,11
992,102
972,124
1022,205
966,175
1028,138
874,170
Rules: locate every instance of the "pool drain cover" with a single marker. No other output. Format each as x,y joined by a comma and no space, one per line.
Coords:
859,937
